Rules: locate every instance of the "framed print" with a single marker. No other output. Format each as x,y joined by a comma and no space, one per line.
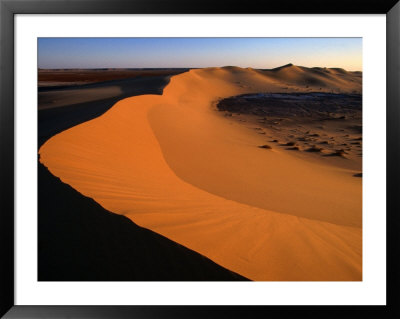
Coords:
174,160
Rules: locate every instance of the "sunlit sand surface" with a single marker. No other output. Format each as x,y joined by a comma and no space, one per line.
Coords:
175,165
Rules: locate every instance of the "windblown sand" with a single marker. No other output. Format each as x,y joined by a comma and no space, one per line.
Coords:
175,165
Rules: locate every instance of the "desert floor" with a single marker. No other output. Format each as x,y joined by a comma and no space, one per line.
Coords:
249,192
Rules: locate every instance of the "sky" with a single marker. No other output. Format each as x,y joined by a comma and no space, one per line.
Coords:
262,53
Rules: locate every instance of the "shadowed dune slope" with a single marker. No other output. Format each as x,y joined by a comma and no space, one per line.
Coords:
174,165
81,241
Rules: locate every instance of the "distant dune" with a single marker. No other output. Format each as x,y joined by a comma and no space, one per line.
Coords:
175,165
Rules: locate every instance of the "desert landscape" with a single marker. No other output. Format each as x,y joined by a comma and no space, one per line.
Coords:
215,173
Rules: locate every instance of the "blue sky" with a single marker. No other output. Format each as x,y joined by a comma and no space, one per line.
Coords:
199,52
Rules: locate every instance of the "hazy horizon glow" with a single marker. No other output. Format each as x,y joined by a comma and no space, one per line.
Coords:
262,53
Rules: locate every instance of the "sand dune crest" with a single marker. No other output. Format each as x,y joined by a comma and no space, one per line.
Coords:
174,165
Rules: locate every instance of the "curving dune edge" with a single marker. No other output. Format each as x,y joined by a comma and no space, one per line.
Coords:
172,164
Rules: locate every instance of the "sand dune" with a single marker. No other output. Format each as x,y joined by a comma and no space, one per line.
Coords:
175,165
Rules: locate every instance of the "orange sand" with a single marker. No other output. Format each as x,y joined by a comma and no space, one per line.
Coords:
173,164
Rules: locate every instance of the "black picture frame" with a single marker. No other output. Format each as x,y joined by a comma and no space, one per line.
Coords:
9,8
